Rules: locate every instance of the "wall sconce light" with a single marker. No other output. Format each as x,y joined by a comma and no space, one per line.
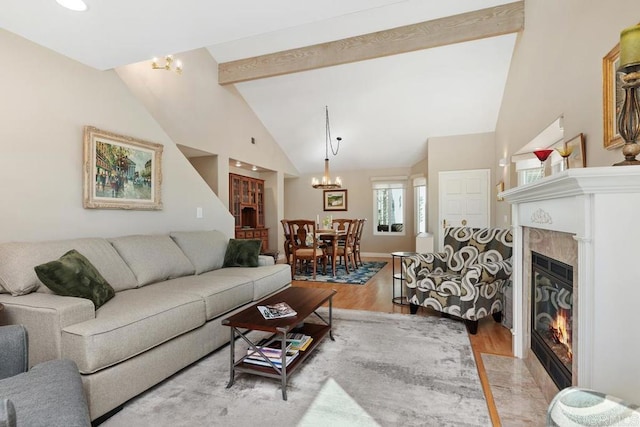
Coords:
502,162
170,64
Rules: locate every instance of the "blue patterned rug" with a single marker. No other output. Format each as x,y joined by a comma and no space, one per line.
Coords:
358,277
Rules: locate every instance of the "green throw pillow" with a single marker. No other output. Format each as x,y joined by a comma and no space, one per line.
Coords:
74,276
242,253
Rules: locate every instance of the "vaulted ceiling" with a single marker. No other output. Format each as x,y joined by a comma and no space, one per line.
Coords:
384,108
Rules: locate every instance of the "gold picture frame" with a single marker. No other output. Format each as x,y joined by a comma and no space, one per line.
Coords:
612,98
499,189
121,172
334,200
578,156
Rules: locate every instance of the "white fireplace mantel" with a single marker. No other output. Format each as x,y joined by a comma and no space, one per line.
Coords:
601,208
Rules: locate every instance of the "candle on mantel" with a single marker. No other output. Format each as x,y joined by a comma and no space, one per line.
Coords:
629,47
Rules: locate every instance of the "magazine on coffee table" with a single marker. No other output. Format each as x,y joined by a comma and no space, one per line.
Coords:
277,311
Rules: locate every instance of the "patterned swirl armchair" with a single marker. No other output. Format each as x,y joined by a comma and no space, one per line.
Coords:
467,279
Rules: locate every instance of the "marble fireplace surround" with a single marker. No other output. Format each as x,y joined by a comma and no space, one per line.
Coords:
587,218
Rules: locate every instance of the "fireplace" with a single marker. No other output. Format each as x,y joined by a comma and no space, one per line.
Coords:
552,316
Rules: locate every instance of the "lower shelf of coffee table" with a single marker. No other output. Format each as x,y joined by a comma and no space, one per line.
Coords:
315,331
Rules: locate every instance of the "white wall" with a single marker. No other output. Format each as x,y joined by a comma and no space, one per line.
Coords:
47,99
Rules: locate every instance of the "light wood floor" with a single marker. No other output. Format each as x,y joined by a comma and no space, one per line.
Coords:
376,295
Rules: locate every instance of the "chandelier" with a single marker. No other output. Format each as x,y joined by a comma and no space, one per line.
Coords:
326,183
170,64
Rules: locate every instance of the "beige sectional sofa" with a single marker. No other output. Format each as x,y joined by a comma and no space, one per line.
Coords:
171,295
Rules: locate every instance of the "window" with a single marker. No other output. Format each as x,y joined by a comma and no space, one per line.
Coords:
420,203
388,208
528,170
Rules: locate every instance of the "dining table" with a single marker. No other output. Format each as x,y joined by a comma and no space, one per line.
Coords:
331,237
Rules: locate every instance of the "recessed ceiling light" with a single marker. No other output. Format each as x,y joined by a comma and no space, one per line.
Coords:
254,168
238,164
77,5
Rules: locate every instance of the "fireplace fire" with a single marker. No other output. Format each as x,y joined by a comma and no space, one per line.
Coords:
551,322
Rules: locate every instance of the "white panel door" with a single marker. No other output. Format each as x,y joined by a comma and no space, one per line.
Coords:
463,199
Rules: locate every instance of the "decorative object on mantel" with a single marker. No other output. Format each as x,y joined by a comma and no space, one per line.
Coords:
326,183
121,172
543,155
629,114
573,152
170,64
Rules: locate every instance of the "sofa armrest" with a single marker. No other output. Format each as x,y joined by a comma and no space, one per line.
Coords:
264,260
14,357
488,272
50,394
7,413
44,316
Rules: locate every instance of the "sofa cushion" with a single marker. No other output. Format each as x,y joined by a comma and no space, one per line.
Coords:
132,322
242,253
153,258
205,249
72,275
220,294
18,277
266,280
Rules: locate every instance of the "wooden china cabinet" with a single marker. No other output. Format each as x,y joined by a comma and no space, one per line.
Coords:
246,203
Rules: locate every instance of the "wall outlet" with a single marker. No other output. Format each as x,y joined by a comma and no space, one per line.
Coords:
198,212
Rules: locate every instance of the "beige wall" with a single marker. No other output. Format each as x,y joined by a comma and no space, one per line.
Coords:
461,152
207,167
557,69
197,112
47,99
303,201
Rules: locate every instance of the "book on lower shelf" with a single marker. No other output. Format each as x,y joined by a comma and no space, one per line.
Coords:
272,349
299,341
277,311
256,359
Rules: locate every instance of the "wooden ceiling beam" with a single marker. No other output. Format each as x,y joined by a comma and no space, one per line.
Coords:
479,24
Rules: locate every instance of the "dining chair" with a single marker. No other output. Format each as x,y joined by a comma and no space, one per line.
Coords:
358,237
341,224
347,251
287,240
305,246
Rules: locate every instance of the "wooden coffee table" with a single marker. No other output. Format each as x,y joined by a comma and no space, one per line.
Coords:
305,301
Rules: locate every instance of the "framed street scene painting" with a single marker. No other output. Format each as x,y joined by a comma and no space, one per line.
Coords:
335,200
121,172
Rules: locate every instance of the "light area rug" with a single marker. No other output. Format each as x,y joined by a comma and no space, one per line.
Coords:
359,276
518,399
382,369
